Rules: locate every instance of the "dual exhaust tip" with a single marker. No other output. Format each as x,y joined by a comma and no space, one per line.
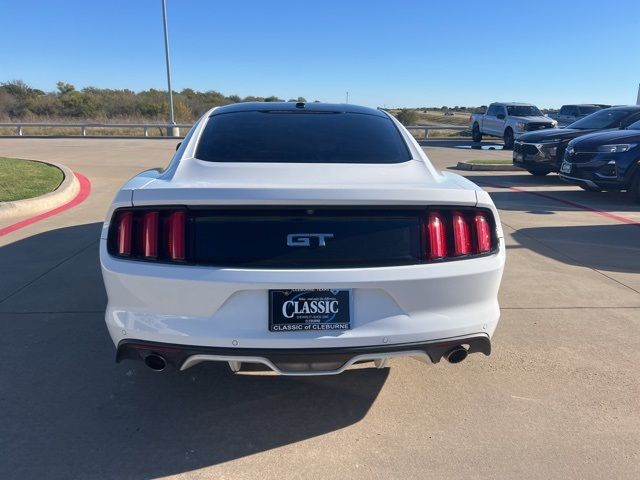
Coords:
155,362
456,355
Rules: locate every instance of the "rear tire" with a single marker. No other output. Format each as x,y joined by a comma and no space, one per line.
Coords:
634,188
538,172
476,134
508,139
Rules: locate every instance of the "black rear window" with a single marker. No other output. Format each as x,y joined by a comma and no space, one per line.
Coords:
301,137
586,110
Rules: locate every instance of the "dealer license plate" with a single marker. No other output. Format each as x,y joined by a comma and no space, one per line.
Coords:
305,310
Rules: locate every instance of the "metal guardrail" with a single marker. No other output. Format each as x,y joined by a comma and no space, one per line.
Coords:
426,128
173,130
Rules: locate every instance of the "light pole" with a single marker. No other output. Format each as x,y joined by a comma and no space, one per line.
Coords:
171,131
347,97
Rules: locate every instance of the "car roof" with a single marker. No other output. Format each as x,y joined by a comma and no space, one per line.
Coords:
624,107
296,107
583,105
513,104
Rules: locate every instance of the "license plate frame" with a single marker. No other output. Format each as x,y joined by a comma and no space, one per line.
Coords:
565,167
310,310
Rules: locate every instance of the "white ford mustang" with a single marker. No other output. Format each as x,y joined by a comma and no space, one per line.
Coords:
302,237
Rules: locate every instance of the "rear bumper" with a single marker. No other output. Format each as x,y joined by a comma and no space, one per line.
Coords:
199,313
224,307
602,171
317,361
579,181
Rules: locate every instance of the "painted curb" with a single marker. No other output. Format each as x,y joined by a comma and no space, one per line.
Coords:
490,167
65,192
83,194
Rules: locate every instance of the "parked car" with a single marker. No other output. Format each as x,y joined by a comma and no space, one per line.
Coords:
508,121
542,152
605,161
304,237
571,113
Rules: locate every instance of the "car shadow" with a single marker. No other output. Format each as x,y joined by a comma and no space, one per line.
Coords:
69,411
613,248
566,199
516,179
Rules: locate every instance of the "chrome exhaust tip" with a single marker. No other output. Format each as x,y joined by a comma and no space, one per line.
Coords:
457,355
155,362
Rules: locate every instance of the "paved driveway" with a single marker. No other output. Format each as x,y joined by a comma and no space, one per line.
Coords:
558,398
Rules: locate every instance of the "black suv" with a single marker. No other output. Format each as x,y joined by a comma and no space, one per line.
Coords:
572,113
605,161
542,152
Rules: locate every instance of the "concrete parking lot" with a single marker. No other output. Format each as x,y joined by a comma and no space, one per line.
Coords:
558,398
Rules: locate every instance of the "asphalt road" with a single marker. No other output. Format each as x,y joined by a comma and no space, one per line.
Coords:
558,398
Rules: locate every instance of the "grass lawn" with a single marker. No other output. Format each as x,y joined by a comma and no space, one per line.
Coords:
492,161
20,179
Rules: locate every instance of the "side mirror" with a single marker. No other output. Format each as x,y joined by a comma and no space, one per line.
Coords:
500,116
178,145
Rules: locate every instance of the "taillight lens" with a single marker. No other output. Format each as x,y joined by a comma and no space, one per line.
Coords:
175,236
150,234
482,233
436,236
124,229
457,233
461,236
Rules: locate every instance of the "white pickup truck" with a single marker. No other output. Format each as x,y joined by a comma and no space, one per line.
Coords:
508,121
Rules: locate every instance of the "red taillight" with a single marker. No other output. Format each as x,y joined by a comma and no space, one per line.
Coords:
175,235
158,234
149,235
461,237
436,236
124,226
456,233
482,232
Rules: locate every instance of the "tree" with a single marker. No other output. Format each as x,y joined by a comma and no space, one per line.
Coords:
65,88
407,116
19,101
20,89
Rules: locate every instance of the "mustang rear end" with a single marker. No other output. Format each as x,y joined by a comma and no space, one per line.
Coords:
304,238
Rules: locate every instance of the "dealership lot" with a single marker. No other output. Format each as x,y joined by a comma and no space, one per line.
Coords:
557,398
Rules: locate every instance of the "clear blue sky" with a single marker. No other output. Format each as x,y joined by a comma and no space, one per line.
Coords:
393,53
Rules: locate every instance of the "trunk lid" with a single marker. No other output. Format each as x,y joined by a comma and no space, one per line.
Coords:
195,182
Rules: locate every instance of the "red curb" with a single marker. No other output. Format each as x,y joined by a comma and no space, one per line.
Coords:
85,190
609,215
